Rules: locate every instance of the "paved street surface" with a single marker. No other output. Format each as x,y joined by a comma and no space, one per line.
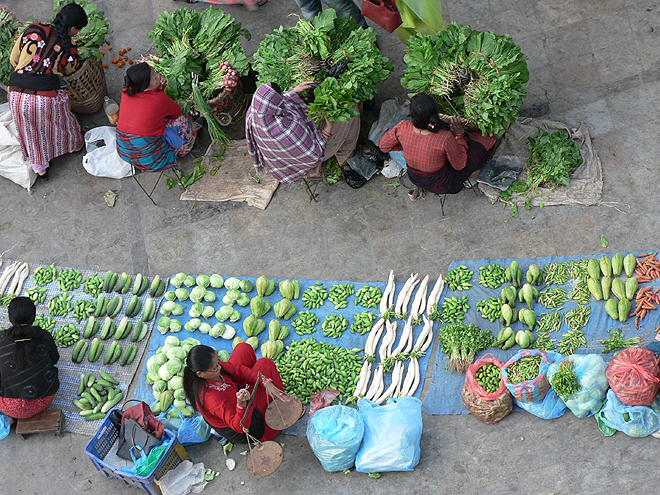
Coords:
591,61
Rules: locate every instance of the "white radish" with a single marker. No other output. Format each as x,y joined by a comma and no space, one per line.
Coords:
404,292
372,339
419,295
410,340
407,383
376,384
386,345
434,297
428,327
384,300
6,276
403,341
396,372
363,381
19,278
422,304
429,339
392,339
399,384
406,301
418,377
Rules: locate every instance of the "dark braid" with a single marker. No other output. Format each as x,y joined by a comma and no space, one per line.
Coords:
71,15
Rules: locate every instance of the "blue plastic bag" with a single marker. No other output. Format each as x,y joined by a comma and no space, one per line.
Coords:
5,425
392,435
189,431
634,421
550,407
590,370
335,434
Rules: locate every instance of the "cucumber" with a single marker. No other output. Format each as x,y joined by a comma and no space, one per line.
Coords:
144,286
161,289
75,352
124,355
137,284
95,353
139,331
97,408
115,400
108,377
148,310
99,304
117,303
94,417
155,284
83,383
107,281
127,284
109,353
121,282
86,412
95,394
132,354
89,327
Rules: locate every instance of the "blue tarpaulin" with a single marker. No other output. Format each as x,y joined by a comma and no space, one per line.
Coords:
444,394
347,340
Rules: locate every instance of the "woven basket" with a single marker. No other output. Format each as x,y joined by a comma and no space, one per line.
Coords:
229,106
87,87
488,411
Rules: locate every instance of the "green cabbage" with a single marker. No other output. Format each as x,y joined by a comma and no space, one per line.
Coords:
179,394
208,311
223,356
176,352
172,340
243,299
227,301
170,295
217,282
160,359
246,285
224,313
232,283
182,294
235,316
176,383
204,327
189,281
210,296
160,386
229,333
191,340
196,310
177,280
193,324
174,366
203,280
165,372
178,310
217,330
179,404
175,326
197,294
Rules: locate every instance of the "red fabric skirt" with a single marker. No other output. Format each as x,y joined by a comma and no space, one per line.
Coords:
46,127
22,409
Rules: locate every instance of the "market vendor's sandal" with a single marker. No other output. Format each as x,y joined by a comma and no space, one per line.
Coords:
415,193
45,176
469,184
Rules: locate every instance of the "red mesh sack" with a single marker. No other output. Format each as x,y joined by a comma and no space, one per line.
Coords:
634,376
489,408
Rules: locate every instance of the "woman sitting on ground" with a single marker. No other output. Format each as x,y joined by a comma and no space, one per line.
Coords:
220,391
282,139
151,131
41,108
440,158
28,355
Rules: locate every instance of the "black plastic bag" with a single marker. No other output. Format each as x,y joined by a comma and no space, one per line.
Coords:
353,179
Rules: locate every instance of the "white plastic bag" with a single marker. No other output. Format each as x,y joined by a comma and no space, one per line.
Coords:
102,159
12,165
185,478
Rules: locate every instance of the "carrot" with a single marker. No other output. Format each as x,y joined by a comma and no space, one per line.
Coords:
101,52
130,60
105,66
109,47
114,60
128,48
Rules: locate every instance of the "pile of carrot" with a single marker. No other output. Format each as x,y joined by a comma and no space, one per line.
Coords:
645,300
121,60
648,267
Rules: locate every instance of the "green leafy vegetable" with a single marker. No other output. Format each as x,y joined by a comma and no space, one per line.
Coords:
553,158
9,31
478,75
92,37
462,342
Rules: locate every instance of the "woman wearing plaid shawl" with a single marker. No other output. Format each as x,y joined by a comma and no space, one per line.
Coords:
282,139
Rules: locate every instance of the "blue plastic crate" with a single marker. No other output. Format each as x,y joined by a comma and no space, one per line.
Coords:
108,433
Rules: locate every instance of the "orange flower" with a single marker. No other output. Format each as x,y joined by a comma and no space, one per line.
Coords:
101,52
125,57
128,48
130,60
109,47
114,60
120,64
105,66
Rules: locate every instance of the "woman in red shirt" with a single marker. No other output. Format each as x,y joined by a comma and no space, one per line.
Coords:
151,131
440,157
220,391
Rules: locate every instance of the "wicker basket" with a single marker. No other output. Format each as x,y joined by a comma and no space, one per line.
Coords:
87,87
488,411
229,106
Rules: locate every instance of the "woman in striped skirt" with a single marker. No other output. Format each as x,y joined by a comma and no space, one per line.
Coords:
41,109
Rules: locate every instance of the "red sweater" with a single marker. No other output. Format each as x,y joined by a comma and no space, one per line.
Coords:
144,113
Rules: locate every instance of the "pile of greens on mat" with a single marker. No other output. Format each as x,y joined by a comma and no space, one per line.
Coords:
313,50
92,37
192,47
478,75
552,160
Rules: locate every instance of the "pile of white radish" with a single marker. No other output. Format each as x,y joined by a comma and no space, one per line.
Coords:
404,383
13,278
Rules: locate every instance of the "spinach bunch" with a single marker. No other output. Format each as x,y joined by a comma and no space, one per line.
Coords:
308,50
552,160
9,31
92,37
478,75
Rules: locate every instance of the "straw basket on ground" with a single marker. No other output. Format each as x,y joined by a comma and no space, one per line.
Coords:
87,87
229,106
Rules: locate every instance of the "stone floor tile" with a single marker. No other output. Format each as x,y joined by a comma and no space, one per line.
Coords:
617,62
566,42
632,107
591,8
596,116
516,23
608,30
555,13
535,49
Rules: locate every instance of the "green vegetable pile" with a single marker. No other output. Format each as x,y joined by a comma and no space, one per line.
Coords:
461,343
552,160
525,368
92,37
616,342
310,49
478,75
565,381
9,30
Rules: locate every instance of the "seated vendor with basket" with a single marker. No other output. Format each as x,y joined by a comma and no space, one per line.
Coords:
283,140
151,131
440,158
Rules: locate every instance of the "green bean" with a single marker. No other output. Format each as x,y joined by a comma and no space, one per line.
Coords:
459,278
60,305
368,296
334,325
578,317
66,335
83,308
314,296
553,298
550,322
580,293
543,342
339,295
45,322
571,341
491,276
525,368
556,273
305,323
565,381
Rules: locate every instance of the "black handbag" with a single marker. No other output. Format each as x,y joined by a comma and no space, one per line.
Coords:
131,434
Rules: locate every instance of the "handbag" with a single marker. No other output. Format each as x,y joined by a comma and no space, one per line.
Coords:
131,434
383,12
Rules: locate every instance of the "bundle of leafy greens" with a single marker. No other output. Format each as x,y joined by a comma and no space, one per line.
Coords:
311,50
477,75
192,44
552,160
9,31
462,342
92,37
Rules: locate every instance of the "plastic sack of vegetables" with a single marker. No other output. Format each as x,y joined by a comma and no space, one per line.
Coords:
5,425
189,431
392,435
590,370
634,421
533,389
550,407
335,434
493,402
633,376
